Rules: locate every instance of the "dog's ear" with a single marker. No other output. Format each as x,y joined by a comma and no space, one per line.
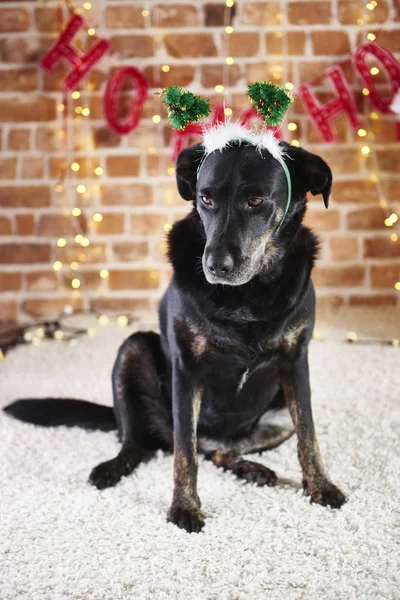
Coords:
187,164
311,171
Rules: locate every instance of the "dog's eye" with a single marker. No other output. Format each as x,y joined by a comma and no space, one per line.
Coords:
205,200
254,201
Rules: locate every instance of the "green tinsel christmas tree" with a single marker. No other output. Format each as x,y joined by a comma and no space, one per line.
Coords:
184,107
269,100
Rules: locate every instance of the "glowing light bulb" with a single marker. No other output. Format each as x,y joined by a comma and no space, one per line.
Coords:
58,187
228,112
86,112
75,95
97,217
167,227
394,218
98,171
104,273
57,266
229,29
370,6
92,31
75,166
394,237
171,170
361,132
295,143
229,60
374,70
156,118
78,238
219,88
78,110
81,189
75,283
374,116
388,222
74,265
165,68
60,107
61,242
87,5
145,13
397,285
292,126
365,91
85,242
289,85
229,3
365,150
122,320
371,36
58,335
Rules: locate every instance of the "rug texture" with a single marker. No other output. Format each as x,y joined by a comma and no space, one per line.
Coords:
62,539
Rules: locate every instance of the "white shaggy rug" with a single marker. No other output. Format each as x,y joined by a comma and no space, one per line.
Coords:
62,539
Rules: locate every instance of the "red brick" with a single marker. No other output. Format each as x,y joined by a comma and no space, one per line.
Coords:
55,224
373,300
46,18
181,75
381,247
122,166
343,160
10,282
388,160
111,224
216,15
321,220
130,251
148,224
24,253
393,190
8,310
90,280
308,70
119,304
306,13
19,139
328,301
261,13
190,46
134,280
8,168
13,19
360,191
25,49
25,224
344,248
105,138
5,226
338,276
367,218
387,38
24,80
41,281
349,11
92,254
124,17
332,42
295,42
32,196
17,109
32,168
174,15
212,75
385,276
136,46
49,307
131,194
242,43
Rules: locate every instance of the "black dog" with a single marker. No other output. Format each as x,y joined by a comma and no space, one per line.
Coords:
235,325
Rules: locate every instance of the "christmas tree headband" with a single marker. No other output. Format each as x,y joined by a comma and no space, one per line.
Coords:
269,100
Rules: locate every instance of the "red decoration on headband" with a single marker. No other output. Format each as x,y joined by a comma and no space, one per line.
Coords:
391,66
63,50
111,99
180,136
343,103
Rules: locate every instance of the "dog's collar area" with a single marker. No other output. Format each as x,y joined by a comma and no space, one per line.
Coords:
227,135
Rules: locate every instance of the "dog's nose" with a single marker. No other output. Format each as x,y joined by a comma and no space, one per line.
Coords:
220,265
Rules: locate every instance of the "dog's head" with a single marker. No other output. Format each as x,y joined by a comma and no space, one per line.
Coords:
241,194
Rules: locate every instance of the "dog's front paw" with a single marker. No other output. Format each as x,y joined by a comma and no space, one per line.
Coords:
105,475
186,517
328,495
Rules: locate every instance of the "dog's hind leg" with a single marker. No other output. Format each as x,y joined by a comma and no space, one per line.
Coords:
231,460
141,406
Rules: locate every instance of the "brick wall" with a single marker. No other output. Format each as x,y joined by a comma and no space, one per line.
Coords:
136,193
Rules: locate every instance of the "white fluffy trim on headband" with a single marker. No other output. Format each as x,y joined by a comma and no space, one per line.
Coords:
222,135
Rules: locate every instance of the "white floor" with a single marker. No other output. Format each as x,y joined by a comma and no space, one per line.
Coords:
61,538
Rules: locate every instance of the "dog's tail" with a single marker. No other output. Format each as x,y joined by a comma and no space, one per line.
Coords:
52,412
